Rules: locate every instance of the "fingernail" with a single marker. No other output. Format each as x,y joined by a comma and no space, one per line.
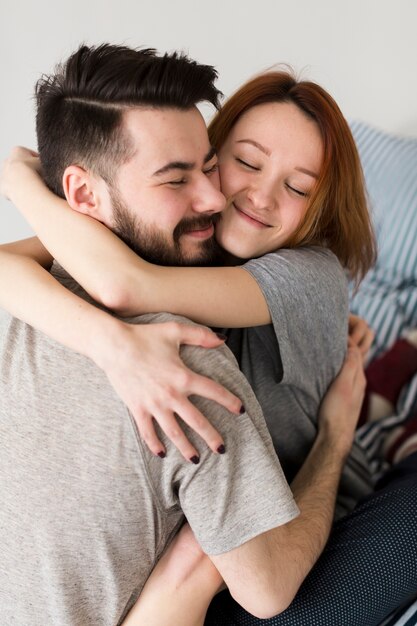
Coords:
221,449
195,459
161,454
242,410
221,336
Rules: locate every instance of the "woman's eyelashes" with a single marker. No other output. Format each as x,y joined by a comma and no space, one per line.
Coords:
298,192
246,164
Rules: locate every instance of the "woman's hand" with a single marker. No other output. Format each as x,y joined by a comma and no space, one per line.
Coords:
21,161
360,335
143,364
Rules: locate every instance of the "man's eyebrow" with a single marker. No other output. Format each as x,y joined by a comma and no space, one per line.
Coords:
184,166
257,145
174,165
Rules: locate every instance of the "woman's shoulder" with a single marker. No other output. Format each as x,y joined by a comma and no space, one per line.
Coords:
307,254
309,263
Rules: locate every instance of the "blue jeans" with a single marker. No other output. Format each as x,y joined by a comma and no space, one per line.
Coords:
368,568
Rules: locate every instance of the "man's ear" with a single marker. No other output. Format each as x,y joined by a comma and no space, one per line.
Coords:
80,189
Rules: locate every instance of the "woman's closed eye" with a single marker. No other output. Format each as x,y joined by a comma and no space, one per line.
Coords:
248,165
298,192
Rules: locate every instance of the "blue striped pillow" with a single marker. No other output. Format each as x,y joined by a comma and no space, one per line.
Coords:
387,298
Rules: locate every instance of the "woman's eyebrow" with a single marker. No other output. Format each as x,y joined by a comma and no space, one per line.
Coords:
257,145
303,170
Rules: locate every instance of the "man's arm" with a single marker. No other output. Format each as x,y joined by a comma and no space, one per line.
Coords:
265,573
185,580
180,587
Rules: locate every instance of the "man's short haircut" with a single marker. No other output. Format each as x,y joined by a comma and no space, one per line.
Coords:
80,106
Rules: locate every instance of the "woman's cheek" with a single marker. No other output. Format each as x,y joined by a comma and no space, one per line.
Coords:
229,179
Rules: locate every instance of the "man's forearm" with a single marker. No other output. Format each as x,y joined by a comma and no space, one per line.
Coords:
180,587
315,490
291,550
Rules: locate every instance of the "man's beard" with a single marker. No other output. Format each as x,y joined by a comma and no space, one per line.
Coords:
154,246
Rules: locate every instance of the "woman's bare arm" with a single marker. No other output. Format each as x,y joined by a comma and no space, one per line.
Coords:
32,249
114,275
129,354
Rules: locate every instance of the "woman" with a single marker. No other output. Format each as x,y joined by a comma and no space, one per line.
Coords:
289,165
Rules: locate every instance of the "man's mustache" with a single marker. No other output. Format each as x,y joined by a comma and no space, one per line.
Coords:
189,224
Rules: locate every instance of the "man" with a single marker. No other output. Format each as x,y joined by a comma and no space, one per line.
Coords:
87,510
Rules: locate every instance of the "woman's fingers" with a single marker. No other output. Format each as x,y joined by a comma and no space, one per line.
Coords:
147,431
156,385
212,390
201,425
171,427
194,335
360,334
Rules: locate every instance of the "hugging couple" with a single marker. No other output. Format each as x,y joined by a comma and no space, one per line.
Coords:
149,462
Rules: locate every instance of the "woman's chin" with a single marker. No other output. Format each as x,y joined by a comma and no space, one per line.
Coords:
235,246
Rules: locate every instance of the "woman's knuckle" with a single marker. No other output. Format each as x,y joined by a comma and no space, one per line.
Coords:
173,433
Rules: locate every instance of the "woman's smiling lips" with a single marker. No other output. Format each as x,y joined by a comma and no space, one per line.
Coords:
251,219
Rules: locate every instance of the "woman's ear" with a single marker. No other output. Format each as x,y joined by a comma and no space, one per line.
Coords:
80,191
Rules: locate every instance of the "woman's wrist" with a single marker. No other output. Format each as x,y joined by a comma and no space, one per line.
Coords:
16,176
105,337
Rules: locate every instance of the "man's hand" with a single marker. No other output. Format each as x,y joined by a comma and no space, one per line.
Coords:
339,411
143,364
20,161
360,335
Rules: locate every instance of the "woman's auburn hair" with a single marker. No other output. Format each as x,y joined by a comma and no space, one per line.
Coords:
337,216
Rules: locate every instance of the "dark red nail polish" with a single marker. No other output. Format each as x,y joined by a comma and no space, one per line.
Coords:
161,454
242,410
195,459
221,336
221,449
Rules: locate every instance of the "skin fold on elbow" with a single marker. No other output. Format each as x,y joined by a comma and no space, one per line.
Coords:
115,296
265,602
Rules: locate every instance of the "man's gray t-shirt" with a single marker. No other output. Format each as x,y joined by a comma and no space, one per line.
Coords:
291,362
86,509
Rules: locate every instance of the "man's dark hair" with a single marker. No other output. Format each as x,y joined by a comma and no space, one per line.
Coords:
80,106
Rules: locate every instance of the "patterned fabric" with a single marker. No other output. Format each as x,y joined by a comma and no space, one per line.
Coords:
406,616
366,570
387,298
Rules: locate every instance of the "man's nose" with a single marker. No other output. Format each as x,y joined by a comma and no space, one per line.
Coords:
208,198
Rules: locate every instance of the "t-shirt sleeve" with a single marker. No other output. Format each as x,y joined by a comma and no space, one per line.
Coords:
231,498
307,296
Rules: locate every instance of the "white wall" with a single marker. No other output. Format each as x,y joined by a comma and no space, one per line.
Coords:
363,51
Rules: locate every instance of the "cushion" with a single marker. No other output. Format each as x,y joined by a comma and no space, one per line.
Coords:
387,298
